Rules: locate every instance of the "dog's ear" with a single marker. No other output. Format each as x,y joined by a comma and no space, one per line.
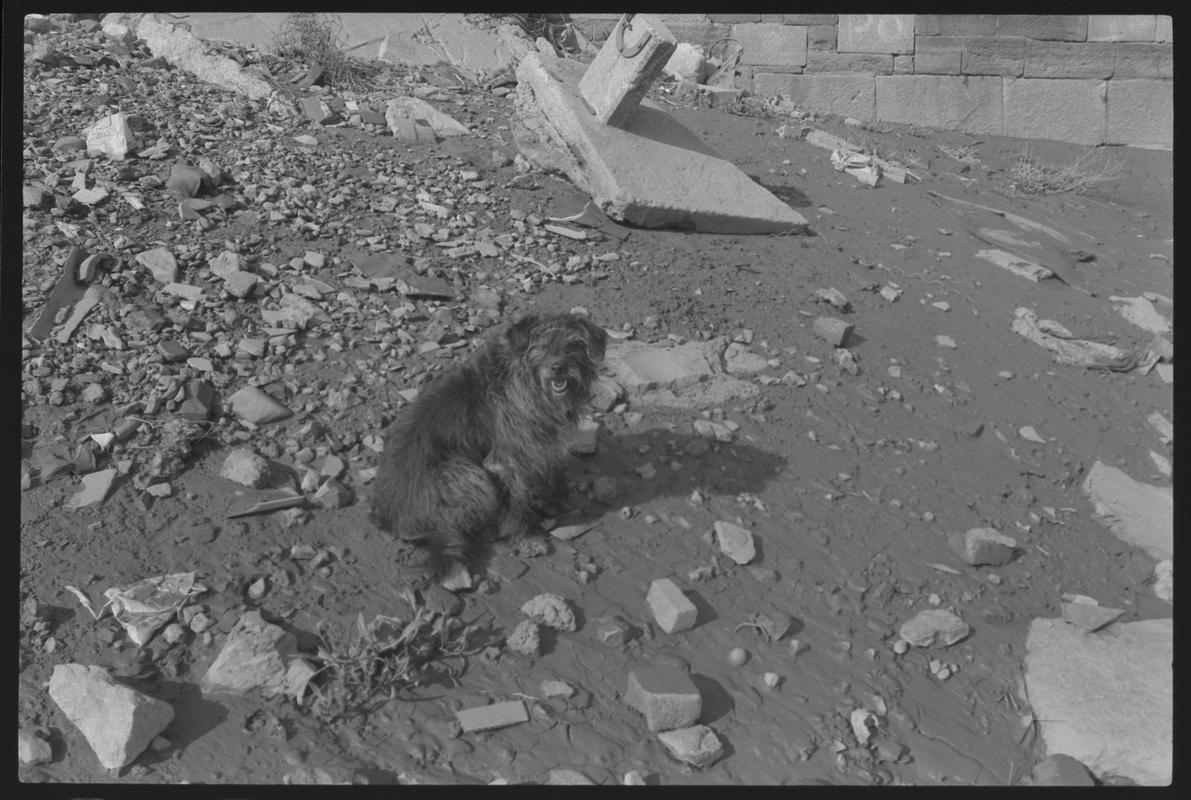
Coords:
597,340
520,334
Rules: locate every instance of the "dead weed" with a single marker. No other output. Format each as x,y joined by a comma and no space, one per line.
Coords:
318,39
1030,176
386,656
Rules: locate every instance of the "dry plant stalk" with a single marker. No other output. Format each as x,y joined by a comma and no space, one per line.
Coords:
318,38
384,657
1036,177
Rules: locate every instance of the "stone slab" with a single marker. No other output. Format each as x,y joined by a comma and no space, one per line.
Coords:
994,55
409,38
173,42
1105,698
845,95
614,84
1063,110
971,104
770,44
666,696
876,33
938,55
641,367
1143,60
1138,513
653,173
955,25
1164,29
1140,114
1069,60
871,63
1122,27
1053,27
496,715
822,37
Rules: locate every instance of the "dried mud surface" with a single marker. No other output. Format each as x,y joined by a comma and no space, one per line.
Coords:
849,493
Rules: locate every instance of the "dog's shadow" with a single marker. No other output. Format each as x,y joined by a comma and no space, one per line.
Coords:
655,463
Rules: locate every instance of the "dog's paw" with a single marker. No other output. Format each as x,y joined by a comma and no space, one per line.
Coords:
531,547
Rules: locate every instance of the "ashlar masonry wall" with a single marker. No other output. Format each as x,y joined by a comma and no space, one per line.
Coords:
1083,78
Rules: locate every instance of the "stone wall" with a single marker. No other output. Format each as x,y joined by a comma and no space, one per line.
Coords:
1087,79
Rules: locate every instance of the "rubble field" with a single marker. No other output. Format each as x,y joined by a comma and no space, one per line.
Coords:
865,504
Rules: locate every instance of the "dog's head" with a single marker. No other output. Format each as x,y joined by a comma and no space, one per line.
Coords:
564,353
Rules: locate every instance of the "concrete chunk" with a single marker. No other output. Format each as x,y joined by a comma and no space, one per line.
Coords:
497,715
116,720
1105,698
934,626
651,172
1138,513
832,330
735,542
183,49
666,696
983,546
671,609
615,83
698,746
876,33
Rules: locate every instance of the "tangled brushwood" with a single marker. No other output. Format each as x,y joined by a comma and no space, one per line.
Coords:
385,657
1036,177
318,39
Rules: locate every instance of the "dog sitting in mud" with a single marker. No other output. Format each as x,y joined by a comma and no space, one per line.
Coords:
479,454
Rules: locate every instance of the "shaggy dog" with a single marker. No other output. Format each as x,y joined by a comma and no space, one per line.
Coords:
479,453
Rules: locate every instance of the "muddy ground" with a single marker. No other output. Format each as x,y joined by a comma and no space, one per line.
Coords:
850,483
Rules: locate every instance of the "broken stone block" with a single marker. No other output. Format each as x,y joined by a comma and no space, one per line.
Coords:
255,406
613,631
32,749
161,264
735,542
615,82
713,430
116,720
1106,698
95,489
1061,770
934,626
187,180
111,136
497,715
1139,513
698,745
425,116
671,609
666,696
983,546
832,330
568,777
255,656
687,63
651,171
332,494
1089,616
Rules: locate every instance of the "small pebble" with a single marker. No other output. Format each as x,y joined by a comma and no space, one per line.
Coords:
737,656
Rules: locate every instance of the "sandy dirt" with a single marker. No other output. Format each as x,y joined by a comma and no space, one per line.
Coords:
850,483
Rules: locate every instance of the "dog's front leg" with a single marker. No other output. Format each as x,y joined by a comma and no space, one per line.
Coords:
520,523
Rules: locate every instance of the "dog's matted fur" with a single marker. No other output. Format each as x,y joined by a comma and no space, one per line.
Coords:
482,447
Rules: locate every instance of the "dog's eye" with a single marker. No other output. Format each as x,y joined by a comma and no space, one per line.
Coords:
558,384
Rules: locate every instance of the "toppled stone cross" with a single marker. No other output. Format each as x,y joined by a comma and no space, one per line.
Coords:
630,61
639,165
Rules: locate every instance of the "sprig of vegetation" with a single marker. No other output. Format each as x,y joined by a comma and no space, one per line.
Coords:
319,39
385,657
1030,176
